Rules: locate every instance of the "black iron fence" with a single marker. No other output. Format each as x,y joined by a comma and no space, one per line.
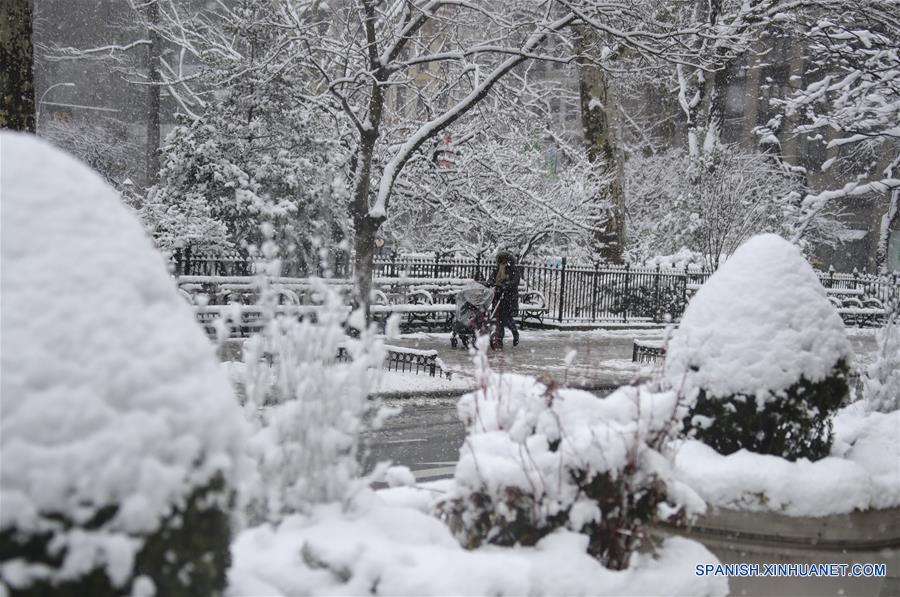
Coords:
190,261
567,292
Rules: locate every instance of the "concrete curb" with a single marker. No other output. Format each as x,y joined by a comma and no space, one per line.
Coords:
606,389
590,327
868,537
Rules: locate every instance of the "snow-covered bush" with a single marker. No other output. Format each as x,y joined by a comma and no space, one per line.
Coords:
539,458
761,355
122,443
881,382
307,406
860,473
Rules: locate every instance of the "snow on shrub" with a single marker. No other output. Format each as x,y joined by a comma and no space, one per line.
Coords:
861,473
761,355
539,458
308,407
122,442
881,382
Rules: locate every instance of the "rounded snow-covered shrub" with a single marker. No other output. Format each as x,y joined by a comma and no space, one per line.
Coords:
539,459
121,440
761,355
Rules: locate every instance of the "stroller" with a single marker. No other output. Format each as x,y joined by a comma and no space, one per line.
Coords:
473,306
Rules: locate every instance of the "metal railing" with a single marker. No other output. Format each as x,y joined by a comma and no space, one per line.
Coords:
571,292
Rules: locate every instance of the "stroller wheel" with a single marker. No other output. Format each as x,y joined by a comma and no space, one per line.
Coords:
454,342
465,341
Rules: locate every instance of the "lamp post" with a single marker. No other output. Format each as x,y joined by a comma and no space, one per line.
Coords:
40,107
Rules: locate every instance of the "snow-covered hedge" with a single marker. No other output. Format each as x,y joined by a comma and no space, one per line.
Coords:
761,355
538,459
122,442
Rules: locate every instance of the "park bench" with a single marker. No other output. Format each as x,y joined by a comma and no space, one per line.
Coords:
407,360
244,320
532,305
856,310
648,352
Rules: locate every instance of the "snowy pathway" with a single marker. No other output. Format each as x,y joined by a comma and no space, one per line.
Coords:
426,435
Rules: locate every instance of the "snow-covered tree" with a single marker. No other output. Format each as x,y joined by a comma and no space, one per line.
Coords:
258,150
712,210
100,144
510,183
403,73
851,103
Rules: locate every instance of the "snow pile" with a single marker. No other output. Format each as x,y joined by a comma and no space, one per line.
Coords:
114,410
862,473
761,322
376,547
539,458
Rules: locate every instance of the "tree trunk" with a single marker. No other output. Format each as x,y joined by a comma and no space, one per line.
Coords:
598,120
153,57
716,118
364,245
364,226
17,109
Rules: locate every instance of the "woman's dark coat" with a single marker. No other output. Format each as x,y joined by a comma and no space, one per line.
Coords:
508,289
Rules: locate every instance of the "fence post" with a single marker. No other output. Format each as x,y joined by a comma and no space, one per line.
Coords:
477,277
657,308
831,276
176,258
562,289
627,291
187,260
683,293
594,293
855,278
394,263
437,260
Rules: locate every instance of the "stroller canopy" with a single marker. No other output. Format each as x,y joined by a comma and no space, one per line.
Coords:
475,294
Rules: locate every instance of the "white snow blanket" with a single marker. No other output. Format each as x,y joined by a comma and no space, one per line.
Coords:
111,393
759,323
384,548
863,471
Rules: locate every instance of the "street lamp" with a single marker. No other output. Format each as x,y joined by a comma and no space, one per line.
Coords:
41,101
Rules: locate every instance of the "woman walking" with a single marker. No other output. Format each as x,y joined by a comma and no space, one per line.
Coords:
505,279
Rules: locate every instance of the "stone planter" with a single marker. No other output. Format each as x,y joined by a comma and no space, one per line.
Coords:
734,536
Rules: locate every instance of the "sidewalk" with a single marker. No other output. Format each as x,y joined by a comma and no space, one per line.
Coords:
602,359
